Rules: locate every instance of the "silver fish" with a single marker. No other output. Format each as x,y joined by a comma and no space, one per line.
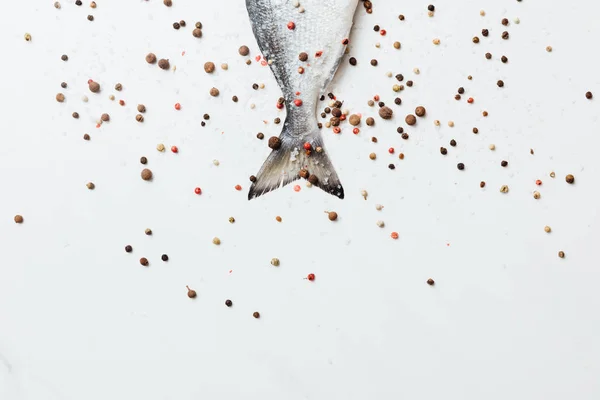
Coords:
283,32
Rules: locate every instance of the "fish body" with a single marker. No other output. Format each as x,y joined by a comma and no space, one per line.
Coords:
282,32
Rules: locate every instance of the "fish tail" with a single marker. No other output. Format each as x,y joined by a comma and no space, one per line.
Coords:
291,161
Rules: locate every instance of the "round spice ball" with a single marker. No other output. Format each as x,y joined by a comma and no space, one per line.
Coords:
163,63
128,249
18,219
191,293
313,179
146,174
141,108
274,142
332,215
139,118
410,119
430,282
151,58
105,117
256,314
303,56
209,67
304,173
370,121
354,120
214,92
228,303
244,50
570,178
197,33
588,95
60,97
420,111
94,87
385,112
164,257
144,261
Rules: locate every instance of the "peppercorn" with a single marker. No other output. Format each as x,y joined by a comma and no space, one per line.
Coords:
475,130
376,28
570,178
397,45
243,50
90,185
420,111
374,139
197,33
561,254
209,67
475,39
303,173
18,219
128,249
505,35
482,184
385,112
228,303
78,2
332,215
274,142
500,83
370,121
139,118
504,59
144,261
391,166
150,58
146,174
278,218
430,282
182,23
372,156
488,56
164,63
303,56
75,115
354,120
256,314
260,135
431,7
336,112
352,61
313,179
86,137
398,100
453,143
547,229
485,32
460,166
94,87
214,92
90,17
64,57
443,150
216,241
504,163
409,83
374,62
190,293
485,113
410,120
405,136
105,117
231,220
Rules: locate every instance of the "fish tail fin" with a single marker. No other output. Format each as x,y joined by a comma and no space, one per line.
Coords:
291,161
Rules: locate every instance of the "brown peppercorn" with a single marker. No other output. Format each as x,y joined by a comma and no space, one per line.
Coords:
228,303
336,112
90,185
252,178
443,150
146,174
460,166
60,97
198,25
168,3
304,173
475,130
485,113
176,25
332,215
354,120
398,100
461,90
372,156
164,63
118,87
150,58
148,231
75,115
182,23
453,143
370,121
385,112
313,179
244,50
401,17
18,219
500,83
430,282
352,61
475,39
256,314
260,135
274,143
139,118
561,254
504,59
63,85
141,108
374,62
409,83
457,97
64,57
303,56
374,139
90,17
143,160
128,249
214,92
485,32
278,218
86,137
144,261
488,56
191,293
504,163
105,117
570,178
588,95
410,119
504,21
505,35
420,111
234,99
94,87
482,184
209,67
197,33
405,136
397,45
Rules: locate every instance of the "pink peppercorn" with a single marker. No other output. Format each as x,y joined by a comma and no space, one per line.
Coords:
311,277
177,106
198,190
174,149
307,146
298,102
355,131
280,105
291,26
391,150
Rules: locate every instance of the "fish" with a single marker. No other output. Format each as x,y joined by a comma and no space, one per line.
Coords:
284,29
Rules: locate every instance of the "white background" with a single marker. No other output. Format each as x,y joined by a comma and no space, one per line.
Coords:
507,318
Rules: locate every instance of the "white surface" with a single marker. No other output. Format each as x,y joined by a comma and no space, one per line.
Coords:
81,319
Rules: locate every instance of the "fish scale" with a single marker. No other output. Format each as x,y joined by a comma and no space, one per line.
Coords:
321,28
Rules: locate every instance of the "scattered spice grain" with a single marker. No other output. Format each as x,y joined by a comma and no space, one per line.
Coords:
228,303
164,257
385,112
214,92
146,174
332,215
60,97
430,282
256,314
94,87
163,63
561,254
18,219
570,178
410,119
275,262
144,261
191,293
420,111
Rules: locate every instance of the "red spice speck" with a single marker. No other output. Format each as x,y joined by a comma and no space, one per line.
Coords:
318,53
394,235
298,102
291,25
336,129
307,146
98,125
280,105
345,41
356,131
90,81
258,57
300,70
538,182
198,190
342,117
263,63
297,93
382,32
297,188
121,102
238,187
177,106
311,277
391,150
470,100
174,149
376,97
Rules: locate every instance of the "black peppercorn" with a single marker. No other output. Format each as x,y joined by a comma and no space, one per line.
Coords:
75,115
164,257
504,59
234,99
453,143
588,95
144,160
182,23
488,56
475,130
431,7
128,249
381,104
504,35
398,100
409,83
322,97
277,120
256,314
228,303
252,178
176,25
260,135
443,150
485,32
400,129
457,97
78,3
64,85
405,136
500,83
374,62
461,90
504,163
64,57
399,77
430,282
202,123
391,166
206,116
460,166
90,17
376,28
